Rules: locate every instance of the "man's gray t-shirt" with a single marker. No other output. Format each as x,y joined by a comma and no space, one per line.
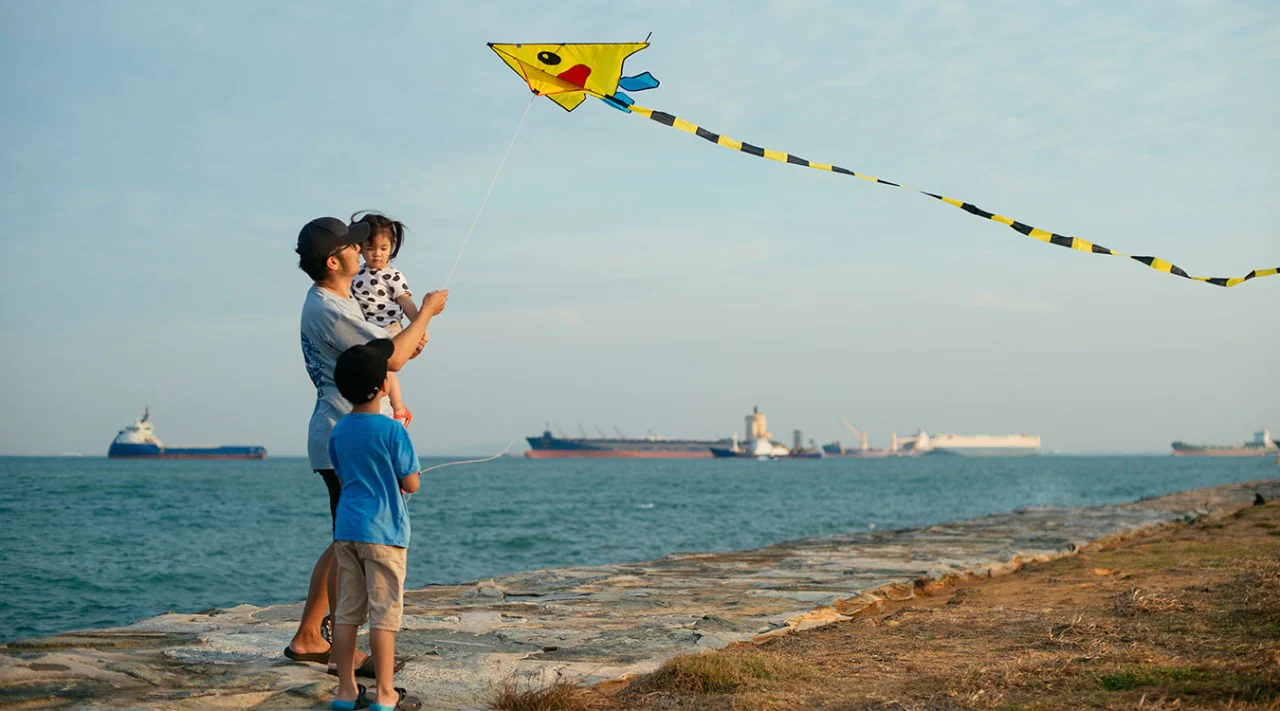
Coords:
330,325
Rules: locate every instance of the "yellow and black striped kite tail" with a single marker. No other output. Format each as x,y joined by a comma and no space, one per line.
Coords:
1075,243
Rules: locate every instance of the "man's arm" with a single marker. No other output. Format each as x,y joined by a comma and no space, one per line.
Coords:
409,484
409,342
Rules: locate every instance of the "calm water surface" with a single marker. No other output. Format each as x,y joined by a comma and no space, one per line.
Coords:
94,542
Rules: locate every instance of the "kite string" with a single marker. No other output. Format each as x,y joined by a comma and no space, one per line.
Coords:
488,192
463,248
470,461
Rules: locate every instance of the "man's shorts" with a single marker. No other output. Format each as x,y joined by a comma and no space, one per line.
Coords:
370,584
334,485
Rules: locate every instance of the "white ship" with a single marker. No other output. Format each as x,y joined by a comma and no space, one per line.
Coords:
1013,445
759,444
139,441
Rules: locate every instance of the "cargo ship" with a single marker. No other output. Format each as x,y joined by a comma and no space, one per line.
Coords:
835,448
549,446
1262,445
139,441
922,443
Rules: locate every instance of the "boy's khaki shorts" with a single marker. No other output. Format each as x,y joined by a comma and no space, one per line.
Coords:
370,584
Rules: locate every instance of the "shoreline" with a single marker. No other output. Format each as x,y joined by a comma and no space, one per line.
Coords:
1187,616
587,624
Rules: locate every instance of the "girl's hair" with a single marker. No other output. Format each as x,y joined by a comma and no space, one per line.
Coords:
380,223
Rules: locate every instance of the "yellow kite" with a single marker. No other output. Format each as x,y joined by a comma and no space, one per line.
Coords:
569,73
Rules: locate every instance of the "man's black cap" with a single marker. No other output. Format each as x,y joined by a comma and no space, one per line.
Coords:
360,370
323,236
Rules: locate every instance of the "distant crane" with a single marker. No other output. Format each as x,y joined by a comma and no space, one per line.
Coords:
862,436
615,429
561,432
602,434
582,431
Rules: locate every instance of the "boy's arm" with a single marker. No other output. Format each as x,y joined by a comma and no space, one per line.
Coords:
406,459
406,304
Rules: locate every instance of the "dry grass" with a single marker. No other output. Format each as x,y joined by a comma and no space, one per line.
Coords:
560,696
1181,619
1144,602
721,673
1185,618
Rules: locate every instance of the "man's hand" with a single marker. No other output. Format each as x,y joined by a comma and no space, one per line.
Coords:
421,344
433,303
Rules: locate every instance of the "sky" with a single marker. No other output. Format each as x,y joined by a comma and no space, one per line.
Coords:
159,158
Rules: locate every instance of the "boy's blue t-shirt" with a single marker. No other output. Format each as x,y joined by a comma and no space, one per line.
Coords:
371,454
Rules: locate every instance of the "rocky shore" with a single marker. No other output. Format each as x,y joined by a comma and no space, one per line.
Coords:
582,624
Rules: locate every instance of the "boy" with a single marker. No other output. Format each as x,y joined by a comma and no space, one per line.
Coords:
375,460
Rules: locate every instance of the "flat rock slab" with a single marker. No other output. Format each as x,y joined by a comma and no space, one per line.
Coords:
585,624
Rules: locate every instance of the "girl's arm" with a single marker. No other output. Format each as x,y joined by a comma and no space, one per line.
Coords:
406,303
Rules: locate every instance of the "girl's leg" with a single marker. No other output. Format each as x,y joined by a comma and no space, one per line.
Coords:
399,411
393,391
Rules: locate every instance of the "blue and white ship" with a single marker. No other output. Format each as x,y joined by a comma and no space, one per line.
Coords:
139,441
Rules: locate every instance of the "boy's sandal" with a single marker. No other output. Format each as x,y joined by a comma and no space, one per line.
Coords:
360,703
320,657
366,668
404,703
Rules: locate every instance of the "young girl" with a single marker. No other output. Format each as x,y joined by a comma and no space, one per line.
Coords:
382,291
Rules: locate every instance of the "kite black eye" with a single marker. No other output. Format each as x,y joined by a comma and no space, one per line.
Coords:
550,58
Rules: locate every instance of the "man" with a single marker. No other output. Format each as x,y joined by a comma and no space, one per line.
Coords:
329,252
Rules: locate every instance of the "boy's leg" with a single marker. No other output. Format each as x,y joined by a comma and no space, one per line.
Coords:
351,612
382,643
344,652
384,571
331,585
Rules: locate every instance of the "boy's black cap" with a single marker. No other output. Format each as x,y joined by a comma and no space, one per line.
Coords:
360,370
323,236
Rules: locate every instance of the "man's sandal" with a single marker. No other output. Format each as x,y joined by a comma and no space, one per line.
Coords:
319,657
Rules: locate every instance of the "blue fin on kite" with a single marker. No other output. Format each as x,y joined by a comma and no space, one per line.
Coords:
619,101
639,82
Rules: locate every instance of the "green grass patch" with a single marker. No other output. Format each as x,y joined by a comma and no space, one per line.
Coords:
1167,556
1151,676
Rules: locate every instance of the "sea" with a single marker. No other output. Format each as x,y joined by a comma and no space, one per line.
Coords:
92,542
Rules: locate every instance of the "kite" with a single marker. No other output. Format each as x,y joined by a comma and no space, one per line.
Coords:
568,73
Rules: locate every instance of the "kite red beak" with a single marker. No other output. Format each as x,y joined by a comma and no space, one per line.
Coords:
576,75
